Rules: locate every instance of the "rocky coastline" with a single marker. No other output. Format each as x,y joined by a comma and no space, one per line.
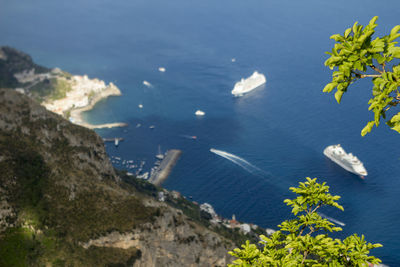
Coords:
62,203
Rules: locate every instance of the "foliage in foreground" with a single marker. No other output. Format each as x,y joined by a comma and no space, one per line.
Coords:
304,241
355,56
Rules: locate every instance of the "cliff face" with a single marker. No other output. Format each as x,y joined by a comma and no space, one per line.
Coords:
13,61
62,204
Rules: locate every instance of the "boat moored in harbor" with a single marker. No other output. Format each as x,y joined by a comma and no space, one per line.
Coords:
159,155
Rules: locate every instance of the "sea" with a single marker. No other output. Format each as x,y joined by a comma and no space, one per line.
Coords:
268,140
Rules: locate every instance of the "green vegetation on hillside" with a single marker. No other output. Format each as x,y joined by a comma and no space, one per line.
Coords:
53,86
53,89
191,210
60,195
44,204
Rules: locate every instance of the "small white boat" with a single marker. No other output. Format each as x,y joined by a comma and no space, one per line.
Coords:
140,106
199,113
116,141
160,155
147,83
233,59
144,176
161,69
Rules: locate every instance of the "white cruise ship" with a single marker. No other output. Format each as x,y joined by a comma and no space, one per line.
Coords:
347,161
246,85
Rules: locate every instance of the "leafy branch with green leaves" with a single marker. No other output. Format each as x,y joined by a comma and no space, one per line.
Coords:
303,241
356,55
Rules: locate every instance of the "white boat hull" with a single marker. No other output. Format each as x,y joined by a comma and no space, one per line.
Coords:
246,85
328,154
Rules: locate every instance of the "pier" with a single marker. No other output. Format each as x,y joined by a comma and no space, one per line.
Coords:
102,126
166,166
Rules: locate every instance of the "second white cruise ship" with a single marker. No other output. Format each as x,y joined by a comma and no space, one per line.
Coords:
246,85
347,161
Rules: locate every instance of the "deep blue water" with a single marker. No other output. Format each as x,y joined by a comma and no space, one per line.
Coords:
281,128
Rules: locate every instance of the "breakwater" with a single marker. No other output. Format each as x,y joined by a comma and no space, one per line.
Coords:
166,166
102,126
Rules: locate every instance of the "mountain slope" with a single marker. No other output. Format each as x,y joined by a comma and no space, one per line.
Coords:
62,204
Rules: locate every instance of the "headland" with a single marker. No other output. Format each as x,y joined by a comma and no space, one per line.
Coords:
59,91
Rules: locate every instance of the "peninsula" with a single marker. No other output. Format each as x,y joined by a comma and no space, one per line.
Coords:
58,91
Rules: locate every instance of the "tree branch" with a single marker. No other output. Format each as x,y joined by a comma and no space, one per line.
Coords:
305,256
376,69
370,75
317,207
301,231
360,75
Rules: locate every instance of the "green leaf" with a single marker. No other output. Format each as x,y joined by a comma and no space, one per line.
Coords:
396,128
394,30
396,54
353,58
373,20
347,32
355,28
337,37
396,118
338,96
367,128
329,87
393,37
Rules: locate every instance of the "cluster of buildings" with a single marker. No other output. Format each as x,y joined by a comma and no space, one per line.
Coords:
207,212
228,223
82,89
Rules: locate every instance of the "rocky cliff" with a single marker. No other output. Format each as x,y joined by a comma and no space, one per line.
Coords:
62,204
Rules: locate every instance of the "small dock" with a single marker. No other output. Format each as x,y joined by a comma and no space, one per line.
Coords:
166,166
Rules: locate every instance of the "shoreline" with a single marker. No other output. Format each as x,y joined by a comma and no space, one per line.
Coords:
76,116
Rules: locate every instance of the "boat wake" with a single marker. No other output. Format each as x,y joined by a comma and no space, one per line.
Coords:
239,161
331,219
193,137
273,180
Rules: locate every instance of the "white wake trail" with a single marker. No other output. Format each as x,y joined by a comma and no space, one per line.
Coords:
238,161
331,219
271,179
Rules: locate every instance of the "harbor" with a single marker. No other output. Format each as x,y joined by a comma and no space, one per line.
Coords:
161,173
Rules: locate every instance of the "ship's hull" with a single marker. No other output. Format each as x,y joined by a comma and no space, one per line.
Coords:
341,164
249,84
242,92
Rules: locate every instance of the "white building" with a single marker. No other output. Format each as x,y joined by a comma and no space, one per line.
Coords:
209,209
